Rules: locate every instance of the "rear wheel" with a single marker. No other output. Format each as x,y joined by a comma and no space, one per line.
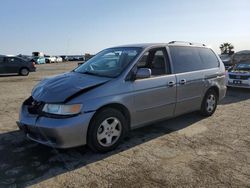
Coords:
106,130
24,72
209,103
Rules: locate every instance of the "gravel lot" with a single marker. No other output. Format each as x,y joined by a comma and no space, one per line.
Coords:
188,151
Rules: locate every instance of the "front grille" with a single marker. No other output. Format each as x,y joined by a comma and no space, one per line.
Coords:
241,77
34,107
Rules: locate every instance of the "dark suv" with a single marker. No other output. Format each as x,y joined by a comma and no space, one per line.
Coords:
9,65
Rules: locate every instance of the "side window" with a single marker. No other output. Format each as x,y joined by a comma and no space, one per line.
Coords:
11,59
208,58
185,59
1,59
143,62
155,60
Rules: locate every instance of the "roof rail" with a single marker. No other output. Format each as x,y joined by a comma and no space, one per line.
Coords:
190,43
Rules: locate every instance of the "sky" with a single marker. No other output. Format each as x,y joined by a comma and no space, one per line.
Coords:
58,27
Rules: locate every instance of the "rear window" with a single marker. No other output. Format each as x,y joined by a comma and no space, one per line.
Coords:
208,58
187,59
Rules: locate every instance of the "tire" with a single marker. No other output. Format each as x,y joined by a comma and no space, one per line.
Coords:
24,72
106,130
209,103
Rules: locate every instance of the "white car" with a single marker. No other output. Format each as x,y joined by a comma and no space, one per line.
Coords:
50,59
59,59
239,75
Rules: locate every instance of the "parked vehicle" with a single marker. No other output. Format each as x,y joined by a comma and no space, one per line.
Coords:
38,57
47,60
120,89
75,58
64,57
59,59
239,75
39,60
50,59
9,65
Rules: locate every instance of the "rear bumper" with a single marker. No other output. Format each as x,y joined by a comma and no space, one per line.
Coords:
58,133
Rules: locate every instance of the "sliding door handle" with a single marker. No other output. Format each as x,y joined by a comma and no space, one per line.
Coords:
183,81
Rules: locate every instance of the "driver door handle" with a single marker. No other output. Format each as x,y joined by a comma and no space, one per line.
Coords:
171,83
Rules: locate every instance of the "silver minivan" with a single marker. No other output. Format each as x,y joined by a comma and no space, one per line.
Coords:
120,89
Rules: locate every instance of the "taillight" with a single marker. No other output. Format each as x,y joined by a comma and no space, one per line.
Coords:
34,64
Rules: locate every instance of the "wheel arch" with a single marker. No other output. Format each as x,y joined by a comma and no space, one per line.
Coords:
215,88
118,106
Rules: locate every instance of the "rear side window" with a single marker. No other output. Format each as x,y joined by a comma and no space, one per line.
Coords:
14,59
1,59
185,59
208,58
11,59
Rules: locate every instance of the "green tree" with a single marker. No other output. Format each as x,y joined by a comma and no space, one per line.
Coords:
226,48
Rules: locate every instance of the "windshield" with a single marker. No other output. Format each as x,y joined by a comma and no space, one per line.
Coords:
242,66
110,62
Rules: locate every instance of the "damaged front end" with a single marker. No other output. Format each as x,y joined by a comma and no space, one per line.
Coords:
50,118
34,107
60,131
41,109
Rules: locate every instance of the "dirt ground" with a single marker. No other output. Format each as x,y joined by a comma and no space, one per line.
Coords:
188,151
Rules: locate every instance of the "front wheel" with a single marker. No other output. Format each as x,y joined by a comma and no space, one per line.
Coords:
106,130
209,103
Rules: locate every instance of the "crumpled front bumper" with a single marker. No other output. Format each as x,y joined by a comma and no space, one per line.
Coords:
55,132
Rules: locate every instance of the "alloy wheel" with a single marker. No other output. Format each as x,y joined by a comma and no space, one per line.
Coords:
109,131
211,102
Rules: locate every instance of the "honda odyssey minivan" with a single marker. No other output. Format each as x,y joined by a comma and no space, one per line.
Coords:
120,89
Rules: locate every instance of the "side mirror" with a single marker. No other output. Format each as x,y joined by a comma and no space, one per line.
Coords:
143,73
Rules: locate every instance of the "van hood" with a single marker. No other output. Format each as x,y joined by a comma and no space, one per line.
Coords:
64,87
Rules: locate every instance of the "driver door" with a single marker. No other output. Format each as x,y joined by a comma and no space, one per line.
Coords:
154,97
